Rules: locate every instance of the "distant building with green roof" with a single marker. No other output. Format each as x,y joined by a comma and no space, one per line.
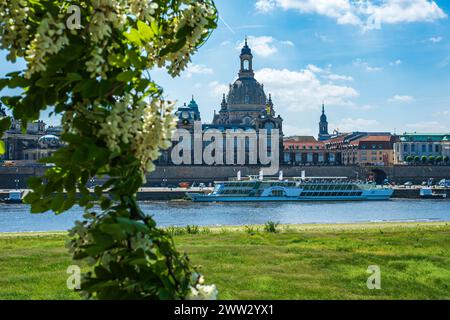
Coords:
419,145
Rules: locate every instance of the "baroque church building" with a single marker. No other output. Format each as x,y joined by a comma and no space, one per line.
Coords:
245,107
246,103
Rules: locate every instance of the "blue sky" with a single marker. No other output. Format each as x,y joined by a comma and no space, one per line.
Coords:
378,65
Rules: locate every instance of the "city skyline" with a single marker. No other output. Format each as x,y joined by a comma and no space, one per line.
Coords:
386,76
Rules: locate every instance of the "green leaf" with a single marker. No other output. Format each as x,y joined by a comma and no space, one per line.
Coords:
73,76
34,182
134,37
2,147
90,89
155,27
126,76
131,225
58,201
5,124
145,31
3,83
45,82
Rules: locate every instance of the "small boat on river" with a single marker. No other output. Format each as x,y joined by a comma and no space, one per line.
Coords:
14,196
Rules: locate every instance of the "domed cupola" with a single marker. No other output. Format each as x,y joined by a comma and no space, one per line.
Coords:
246,49
246,62
246,90
48,141
194,107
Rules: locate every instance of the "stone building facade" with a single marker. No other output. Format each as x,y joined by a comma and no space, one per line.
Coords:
362,148
418,145
36,143
306,150
244,110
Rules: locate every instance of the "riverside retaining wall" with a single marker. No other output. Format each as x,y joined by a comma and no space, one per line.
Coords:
172,175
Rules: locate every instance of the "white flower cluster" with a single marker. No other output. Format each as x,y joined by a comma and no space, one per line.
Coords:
203,292
141,241
143,9
107,14
107,17
13,27
141,127
49,40
194,16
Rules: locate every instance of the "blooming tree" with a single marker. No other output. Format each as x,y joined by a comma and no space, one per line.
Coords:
89,60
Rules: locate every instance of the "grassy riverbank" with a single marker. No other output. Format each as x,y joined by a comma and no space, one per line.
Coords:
299,262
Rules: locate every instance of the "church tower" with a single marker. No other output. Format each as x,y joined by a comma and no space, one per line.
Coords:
323,126
246,62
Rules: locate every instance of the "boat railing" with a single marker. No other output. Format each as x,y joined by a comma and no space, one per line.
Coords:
300,181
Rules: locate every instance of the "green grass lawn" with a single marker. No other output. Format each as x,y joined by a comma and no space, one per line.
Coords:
300,262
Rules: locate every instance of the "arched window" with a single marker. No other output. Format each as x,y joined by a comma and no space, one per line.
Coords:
246,65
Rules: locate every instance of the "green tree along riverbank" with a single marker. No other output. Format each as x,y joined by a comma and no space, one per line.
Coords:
297,262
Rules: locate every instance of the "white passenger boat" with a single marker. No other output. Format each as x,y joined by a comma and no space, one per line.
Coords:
260,189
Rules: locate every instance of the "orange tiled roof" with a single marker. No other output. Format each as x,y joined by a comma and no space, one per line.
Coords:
384,138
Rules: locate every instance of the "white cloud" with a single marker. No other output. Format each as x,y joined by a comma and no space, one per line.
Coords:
288,43
368,14
322,37
328,74
442,113
402,99
265,6
197,69
436,39
396,62
264,46
428,126
351,125
359,63
338,77
217,89
304,89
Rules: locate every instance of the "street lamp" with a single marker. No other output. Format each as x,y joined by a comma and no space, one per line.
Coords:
17,183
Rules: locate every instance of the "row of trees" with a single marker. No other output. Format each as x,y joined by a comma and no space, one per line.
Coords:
428,159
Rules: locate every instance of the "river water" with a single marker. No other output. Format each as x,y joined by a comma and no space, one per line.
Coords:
16,218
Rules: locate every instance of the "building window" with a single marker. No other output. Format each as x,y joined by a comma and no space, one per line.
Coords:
246,65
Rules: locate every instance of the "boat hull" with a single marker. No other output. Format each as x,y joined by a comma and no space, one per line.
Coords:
435,196
7,201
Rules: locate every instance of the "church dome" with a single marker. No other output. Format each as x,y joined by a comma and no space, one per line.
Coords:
246,91
49,141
